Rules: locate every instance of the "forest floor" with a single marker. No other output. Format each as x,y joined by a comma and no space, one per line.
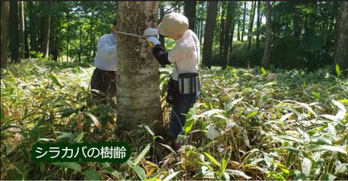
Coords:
246,124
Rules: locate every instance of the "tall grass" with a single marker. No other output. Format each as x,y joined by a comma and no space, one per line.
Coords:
246,124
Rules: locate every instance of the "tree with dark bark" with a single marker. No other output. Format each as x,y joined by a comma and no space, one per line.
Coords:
227,34
268,37
46,27
190,13
138,96
222,26
209,32
243,27
341,53
13,32
258,24
32,26
4,32
251,23
21,31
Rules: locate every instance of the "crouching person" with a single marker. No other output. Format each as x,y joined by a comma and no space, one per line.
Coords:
103,81
184,83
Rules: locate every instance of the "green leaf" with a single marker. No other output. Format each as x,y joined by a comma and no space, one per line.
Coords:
171,176
291,149
263,71
224,161
339,105
72,165
212,159
188,125
251,114
149,130
140,172
65,135
338,71
306,166
92,175
142,154
341,168
79,137
237,173
287,138
54,79
2,114
340,149
329,177
233,103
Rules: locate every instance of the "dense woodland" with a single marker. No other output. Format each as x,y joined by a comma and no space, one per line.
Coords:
273,103
301,34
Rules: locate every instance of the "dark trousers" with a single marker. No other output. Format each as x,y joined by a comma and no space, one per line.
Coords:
181,106
104,82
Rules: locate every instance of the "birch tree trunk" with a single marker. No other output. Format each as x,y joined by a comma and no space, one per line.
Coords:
138,95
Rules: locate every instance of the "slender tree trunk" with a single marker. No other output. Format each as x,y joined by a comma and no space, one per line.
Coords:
46,29
21,29
138,95
229,21
341,54
243,28
231,43
268,38
4,32
190,13
67,42
296,22
222,26
32,26
238,30
80,43
258,24
251,23
209,32
13,32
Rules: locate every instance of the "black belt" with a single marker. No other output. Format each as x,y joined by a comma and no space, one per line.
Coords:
100,70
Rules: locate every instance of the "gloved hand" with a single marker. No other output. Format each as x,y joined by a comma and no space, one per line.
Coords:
153,41
151,32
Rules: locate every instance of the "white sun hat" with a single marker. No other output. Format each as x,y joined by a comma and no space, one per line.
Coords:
173,24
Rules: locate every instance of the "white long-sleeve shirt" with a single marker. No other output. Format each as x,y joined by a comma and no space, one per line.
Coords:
106,56
185,54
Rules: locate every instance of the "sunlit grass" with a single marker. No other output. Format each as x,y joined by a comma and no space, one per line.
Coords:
247,123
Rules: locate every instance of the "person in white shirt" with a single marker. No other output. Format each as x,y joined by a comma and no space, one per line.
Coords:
103,81
184,84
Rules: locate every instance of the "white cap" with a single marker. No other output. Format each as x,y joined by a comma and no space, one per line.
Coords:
173,24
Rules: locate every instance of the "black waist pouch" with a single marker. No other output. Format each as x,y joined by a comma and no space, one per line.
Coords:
172,91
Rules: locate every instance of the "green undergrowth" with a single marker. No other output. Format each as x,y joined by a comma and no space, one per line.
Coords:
246,124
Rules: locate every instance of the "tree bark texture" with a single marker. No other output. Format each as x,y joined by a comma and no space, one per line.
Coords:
4,32
209,32
268,37
341,54
138,95
13,32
